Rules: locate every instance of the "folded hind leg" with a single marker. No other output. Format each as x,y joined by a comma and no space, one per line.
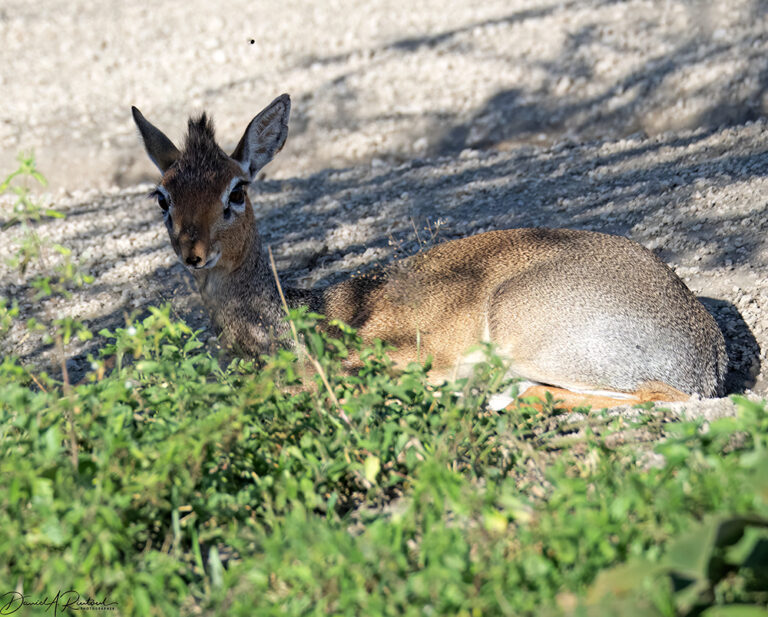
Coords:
650,391
568,399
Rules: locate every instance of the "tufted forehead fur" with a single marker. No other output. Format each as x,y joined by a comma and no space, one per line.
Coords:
200,152
203,170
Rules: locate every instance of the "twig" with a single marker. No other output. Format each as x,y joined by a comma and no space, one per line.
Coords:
418,237
431,233
418,345
26,335
63,361
282,297
315,363
37,383
69,394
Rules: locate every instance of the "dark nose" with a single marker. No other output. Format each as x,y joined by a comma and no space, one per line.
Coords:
193,260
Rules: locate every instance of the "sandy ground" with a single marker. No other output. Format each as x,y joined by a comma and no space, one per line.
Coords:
641,118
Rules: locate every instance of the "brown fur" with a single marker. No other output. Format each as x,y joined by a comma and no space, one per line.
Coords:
573,309
652,392
196,181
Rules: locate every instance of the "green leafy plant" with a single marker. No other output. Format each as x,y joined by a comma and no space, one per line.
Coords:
716,561
25,211
176,484
67,275
59,279
7,314
25,208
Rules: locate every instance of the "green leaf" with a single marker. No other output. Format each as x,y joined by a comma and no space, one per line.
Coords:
731,529
689,555
53,532
495,522
724,426
735,611
215,567
148,366
748,409
371,468
675,453
621,581
84,334
749,544
191,345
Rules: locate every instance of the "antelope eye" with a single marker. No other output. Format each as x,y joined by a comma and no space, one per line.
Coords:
237,196
162,202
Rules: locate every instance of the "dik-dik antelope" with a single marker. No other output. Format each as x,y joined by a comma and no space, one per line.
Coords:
595,318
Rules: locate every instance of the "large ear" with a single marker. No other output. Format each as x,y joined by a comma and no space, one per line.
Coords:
264,136
159,148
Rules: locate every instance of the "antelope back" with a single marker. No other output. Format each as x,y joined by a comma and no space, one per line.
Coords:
576,309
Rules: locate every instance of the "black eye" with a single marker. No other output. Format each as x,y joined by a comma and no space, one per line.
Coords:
162,202
237,196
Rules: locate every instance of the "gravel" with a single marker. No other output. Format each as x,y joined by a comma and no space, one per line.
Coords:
410,125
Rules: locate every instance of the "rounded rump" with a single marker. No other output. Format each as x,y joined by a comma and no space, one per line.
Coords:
595,311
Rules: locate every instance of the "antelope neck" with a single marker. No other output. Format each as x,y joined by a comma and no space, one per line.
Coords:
249,294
